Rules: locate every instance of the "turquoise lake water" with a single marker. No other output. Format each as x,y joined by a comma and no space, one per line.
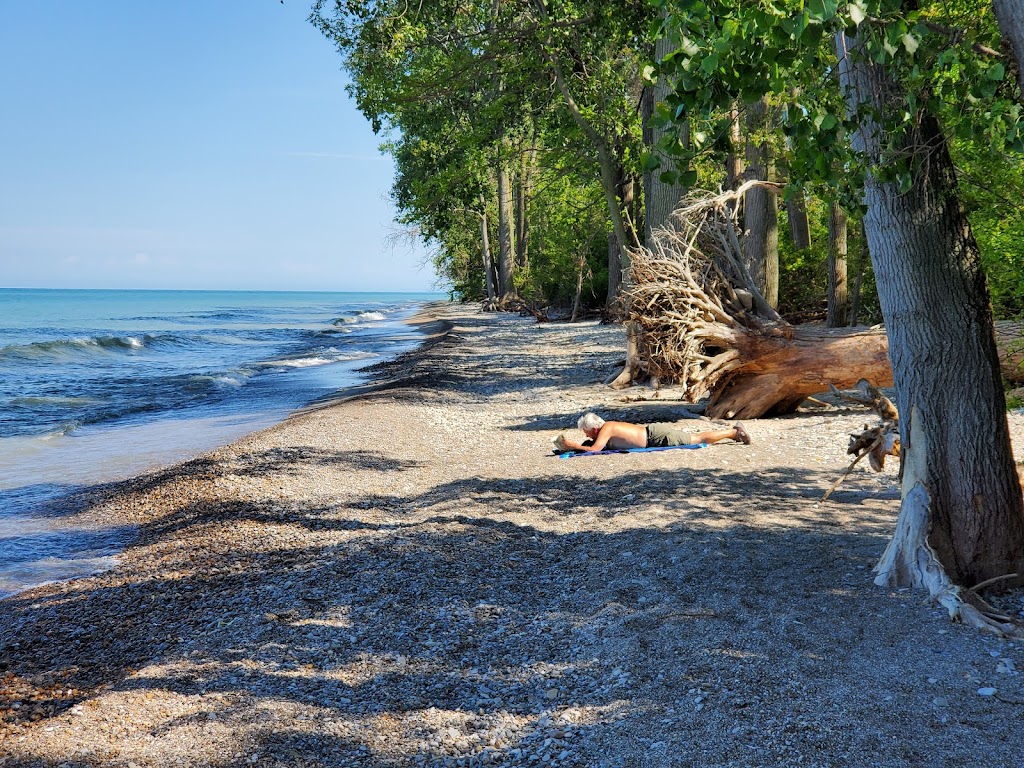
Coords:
97,386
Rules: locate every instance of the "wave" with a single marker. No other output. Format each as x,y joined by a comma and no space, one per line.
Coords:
203,382
62,430
322,357
362,316
86,346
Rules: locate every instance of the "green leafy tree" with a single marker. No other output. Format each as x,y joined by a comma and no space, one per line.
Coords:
913,76
485,80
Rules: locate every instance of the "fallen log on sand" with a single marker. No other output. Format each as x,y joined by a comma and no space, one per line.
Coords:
702,324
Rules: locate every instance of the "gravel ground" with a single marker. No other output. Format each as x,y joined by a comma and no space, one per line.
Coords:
410,578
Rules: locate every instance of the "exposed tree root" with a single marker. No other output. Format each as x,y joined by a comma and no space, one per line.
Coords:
702,324
909,561
684,301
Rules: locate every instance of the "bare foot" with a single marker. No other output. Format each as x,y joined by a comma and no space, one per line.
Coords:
741,433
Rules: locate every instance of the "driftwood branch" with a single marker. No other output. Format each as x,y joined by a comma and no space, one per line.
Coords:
874,442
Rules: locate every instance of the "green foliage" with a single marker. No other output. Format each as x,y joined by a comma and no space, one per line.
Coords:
991,187
1014,401
460,90
944,55
941,53
803,274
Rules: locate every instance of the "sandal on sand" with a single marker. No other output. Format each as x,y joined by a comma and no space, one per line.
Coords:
741,433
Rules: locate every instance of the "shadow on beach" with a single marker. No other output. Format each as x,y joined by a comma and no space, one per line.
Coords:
483,613
439,605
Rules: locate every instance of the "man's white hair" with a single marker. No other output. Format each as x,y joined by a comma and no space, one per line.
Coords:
589,421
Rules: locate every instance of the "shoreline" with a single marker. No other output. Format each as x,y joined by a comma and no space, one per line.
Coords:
83,494
426,322
411,578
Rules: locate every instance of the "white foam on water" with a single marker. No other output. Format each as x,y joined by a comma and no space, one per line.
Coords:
331,355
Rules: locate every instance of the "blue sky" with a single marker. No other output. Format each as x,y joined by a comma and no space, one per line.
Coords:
188,144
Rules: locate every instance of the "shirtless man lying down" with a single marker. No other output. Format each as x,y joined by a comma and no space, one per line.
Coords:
622,435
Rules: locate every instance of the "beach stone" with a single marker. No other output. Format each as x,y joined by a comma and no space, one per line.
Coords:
447,589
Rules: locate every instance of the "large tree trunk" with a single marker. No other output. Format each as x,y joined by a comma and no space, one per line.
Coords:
785,365
781,366
760,211
838,299
506,259
660,199
858,281
614,271
1010,14
485,245
521,195
799,227
776,367
957,460
734,159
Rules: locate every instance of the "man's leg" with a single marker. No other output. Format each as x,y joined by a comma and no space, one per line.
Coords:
737,433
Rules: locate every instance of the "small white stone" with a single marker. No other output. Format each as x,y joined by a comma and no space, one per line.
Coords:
986,691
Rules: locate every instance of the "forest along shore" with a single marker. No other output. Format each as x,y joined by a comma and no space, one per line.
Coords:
411,578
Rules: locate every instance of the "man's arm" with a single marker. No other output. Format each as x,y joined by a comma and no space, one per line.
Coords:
607,432
564,443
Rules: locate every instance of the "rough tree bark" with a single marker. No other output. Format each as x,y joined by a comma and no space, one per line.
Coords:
760,210
614,271
799,227
485,245
734,160
521,195
863,260
1010,15
660,199
838,299
962,517
506,257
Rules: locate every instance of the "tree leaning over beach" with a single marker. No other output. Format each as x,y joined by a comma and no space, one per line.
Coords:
530,88
907,75
912,74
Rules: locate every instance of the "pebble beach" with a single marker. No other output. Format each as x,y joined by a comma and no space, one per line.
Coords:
405,575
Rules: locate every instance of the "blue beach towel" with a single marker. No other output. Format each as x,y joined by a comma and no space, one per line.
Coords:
573,454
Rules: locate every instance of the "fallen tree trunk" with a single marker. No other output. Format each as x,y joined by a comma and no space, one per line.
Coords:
785,367
700,323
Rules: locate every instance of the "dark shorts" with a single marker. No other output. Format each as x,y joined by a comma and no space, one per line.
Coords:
664,435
